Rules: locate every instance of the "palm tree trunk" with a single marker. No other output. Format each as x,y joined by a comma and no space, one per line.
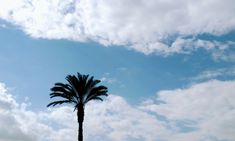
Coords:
80,116
80,132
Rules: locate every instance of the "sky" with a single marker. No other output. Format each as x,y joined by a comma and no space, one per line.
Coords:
169,67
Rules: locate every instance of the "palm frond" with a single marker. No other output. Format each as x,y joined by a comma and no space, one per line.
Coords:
64,89
60,89
79,89
95,82
66,86
58,102
72,83
97,98
65,96
97,92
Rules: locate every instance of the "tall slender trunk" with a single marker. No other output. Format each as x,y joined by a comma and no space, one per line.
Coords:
80,116
80,132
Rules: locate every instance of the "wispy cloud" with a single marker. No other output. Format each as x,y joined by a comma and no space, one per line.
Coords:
193,113
215,73
144,26
3,26
108,78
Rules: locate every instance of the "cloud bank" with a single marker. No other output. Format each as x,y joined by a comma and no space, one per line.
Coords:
205,111
201,112
155,26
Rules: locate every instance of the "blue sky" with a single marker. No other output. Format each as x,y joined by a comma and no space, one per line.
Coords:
32,66
177,79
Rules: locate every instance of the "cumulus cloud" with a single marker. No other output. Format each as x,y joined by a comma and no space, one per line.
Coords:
207,110
10,129
153,26
119,121
113,119
202,112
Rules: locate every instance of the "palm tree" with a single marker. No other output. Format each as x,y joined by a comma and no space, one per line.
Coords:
78,91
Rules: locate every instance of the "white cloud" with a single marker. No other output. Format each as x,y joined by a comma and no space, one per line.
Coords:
19,124
10,129
212,74
114,119
207,108
107,78
119,121
202,112
224,55
144,26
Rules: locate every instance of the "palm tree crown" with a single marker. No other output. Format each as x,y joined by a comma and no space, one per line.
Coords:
78,91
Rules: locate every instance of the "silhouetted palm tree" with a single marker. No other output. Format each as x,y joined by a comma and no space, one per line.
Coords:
78,91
